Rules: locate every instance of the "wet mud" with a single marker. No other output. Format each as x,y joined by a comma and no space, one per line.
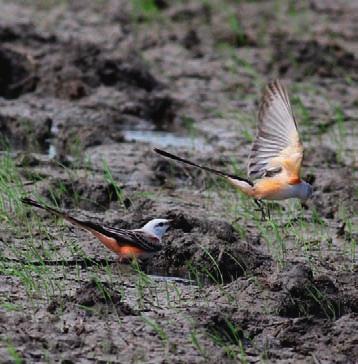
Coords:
87,89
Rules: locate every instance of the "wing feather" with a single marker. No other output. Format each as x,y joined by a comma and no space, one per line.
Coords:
137,238
277,147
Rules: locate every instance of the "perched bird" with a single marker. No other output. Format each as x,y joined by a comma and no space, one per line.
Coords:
137,243
276,155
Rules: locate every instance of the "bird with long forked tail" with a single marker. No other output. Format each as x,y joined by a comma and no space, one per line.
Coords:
136,243
276,156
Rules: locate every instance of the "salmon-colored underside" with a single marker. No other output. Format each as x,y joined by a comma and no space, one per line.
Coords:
266,187
121,250
294,181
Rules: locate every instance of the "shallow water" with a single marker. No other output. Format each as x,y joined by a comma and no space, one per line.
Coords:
155,138
164,139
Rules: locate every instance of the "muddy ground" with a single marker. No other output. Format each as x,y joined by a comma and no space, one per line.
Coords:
87,90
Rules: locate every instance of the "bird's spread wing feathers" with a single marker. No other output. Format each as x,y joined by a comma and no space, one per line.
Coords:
277,148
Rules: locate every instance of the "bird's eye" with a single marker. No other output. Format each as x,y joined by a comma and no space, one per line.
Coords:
161,224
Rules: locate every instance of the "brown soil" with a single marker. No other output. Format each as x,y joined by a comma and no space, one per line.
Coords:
76,80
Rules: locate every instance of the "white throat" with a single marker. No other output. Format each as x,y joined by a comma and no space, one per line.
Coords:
156,227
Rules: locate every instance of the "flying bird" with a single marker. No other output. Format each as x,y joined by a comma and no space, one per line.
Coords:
276,156
127,244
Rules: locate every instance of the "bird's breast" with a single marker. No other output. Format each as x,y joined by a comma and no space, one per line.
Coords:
276,189
121,249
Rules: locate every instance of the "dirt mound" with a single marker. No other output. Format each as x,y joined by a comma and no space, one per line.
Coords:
307,296
19,129
222,255
114,88
298,59
70,67
17,75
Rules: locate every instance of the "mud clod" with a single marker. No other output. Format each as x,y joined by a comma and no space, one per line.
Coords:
17,74
307,296
87,90
298,59
222,253
23,132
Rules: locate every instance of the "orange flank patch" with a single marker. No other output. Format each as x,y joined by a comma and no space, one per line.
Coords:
132,251
121,250
294,180
267,187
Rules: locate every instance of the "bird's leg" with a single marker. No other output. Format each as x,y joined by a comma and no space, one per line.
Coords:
261,208
268,211
122,259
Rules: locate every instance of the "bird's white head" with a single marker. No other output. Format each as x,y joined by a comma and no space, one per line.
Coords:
158,227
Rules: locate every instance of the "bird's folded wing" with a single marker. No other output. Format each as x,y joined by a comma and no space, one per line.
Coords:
277,148
137,238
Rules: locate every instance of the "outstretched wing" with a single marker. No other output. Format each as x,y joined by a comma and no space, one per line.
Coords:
277,148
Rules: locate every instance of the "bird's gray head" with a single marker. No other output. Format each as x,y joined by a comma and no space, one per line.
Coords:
158,227
306,191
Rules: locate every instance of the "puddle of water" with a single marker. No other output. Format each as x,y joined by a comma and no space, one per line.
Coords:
156,138
176,275
51,151
163,139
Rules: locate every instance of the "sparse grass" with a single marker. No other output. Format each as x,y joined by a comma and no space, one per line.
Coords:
108,177
196,343
190,125
340,132
75,149
145,8
301,111
325,304
230,338
157,328
11,188
13,353
236,64
142,284
237,29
